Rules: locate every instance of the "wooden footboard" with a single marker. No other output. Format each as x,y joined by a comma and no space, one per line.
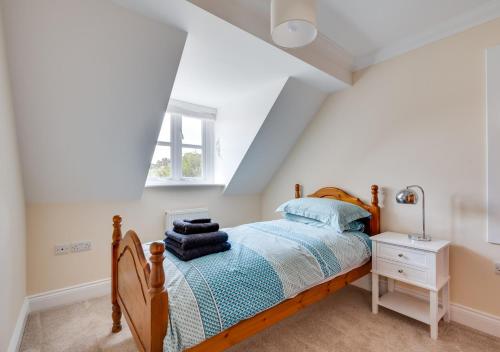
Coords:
138,289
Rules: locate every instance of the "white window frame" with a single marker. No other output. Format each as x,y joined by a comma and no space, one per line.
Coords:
177,110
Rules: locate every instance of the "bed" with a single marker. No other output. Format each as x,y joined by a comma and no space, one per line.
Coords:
273,270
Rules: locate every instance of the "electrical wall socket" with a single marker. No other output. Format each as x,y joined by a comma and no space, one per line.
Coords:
497,267
81,246
60,249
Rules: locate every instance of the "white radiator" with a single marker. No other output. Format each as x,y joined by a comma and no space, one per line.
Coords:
171,215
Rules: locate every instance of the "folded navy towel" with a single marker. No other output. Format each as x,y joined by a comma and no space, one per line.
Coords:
193,253
186,228
198,239
198,221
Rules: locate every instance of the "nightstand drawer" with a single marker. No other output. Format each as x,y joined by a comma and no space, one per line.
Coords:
402,255
402,272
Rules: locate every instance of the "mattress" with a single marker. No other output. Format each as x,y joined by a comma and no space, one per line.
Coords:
268,263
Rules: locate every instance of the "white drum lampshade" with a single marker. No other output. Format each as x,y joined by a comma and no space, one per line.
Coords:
293,22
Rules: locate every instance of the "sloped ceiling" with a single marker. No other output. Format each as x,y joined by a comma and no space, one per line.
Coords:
222,61
295,107
238,122
357,33
253,16
373,31
91,81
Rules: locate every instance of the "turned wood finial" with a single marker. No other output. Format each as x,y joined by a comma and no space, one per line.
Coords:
375,195
157,277
117,219
117,228
297,190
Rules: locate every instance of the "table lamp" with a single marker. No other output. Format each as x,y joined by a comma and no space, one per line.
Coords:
410,196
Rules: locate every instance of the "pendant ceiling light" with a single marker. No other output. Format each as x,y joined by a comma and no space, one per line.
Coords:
293,22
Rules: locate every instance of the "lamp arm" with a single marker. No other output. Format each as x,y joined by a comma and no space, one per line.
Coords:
423,207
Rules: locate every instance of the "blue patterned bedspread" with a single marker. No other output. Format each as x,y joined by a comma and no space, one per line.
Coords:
268,263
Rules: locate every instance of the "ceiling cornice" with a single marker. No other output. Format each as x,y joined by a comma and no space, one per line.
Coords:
485,13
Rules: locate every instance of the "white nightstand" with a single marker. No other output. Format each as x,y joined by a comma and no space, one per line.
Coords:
418,263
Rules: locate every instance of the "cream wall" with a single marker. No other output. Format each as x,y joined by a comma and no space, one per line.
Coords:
418,118
12,220
50,224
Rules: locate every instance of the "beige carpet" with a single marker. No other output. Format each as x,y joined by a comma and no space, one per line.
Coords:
342,322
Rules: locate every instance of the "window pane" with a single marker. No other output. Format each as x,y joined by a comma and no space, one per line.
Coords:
191,162
191,130
161,165
165,129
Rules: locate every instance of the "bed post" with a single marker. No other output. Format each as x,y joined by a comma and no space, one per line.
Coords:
117,236
375,223
158,310
297,190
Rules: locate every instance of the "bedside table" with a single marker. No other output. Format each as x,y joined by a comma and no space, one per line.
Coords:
418,263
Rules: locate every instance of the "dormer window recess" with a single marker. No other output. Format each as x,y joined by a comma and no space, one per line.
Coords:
184,152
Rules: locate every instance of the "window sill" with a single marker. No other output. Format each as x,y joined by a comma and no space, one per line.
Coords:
183,184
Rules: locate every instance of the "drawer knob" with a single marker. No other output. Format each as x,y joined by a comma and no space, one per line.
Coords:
400,255
400,271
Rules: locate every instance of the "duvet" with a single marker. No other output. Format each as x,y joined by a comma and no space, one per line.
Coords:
268,263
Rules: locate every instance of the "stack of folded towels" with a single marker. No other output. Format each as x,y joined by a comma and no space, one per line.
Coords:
195,238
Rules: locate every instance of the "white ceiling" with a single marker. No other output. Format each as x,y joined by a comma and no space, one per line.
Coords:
364,27
372,31
221,62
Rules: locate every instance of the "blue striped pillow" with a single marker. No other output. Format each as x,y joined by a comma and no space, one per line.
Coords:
331,212
356,225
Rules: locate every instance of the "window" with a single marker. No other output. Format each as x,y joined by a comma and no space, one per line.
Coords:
184,150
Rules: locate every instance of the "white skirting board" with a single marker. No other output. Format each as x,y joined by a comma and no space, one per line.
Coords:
17,334
56,298
475,319
487,323
68,295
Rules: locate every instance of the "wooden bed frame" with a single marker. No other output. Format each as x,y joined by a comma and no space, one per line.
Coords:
139,293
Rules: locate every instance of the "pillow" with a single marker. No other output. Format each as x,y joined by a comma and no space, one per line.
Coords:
356,225
332,212
304,220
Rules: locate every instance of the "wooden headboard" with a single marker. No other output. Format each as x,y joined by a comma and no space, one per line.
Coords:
337,193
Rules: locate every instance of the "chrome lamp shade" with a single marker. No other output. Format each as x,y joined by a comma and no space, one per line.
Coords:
410,196
407,196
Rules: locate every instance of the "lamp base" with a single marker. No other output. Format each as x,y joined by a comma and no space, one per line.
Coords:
418,237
